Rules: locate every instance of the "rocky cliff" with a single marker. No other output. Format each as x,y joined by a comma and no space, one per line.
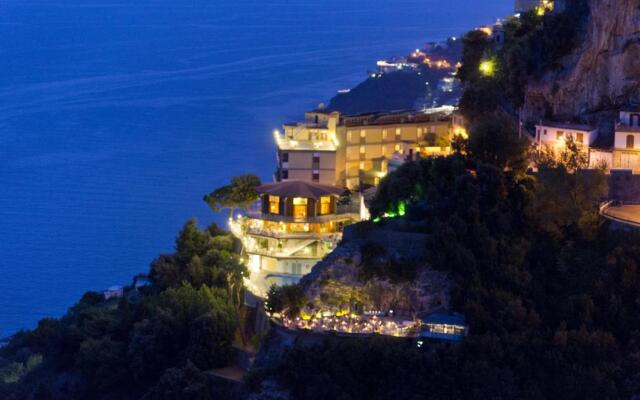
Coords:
603,71
342,277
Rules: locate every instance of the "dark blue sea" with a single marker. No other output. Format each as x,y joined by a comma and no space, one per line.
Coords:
117,116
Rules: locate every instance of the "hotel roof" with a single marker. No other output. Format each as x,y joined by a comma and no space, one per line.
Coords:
398,117
299,189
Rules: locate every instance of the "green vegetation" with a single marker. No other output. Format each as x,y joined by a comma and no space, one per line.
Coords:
570,155
289,298
496,77
153,343
240,193
549,291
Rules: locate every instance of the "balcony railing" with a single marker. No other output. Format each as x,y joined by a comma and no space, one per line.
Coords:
286,143
333,237
284,254
344,213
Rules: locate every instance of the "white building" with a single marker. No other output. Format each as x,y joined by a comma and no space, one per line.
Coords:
553,136
298,223
113,292
388,66
626,143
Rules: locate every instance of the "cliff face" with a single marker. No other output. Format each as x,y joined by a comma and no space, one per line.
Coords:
339,274
605,67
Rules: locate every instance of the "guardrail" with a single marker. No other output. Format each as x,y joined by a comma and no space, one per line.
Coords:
345,214
602,210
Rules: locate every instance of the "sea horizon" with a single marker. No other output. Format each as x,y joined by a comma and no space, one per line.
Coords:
110,137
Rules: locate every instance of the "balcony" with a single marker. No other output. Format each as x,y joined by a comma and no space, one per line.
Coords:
288,143
303,250
240,229
344,212
333,237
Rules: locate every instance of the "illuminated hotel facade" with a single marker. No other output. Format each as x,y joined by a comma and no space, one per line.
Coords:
356,150
297,224
371,141
307,150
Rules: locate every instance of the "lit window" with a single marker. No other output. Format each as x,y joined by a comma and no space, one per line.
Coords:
299,207
350,135
384,150
384,134
580,138
362,150
397,148
325,205
363,133
362,165
559,135
274,205
398,131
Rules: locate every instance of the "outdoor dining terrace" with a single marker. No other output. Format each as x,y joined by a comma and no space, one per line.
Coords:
353,324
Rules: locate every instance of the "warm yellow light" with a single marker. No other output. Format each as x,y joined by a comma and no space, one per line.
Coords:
380,174
461,132
486,30
487,67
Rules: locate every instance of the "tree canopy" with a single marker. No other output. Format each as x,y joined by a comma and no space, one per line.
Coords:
240,193
548,289
153,343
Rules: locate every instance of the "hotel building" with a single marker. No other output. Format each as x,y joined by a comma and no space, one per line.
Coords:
307,150
297,224
370,141
355,150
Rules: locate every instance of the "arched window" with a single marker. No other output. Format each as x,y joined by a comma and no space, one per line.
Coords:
630,141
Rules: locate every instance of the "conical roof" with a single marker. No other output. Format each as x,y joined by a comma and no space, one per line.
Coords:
299,189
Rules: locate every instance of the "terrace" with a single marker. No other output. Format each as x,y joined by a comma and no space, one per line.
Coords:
352,324
439,325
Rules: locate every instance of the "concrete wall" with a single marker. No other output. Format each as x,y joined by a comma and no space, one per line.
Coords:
548,135
624,186
621,140
599,157
300,166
